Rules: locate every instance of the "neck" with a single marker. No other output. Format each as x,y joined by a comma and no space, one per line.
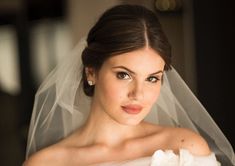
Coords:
100,128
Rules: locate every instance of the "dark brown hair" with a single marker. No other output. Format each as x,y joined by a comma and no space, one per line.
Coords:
122,29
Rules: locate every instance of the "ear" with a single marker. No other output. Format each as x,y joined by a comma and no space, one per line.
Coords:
90,74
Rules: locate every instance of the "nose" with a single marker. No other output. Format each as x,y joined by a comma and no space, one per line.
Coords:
136,91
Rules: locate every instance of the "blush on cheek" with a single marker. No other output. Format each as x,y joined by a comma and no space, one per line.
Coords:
112,92
154,96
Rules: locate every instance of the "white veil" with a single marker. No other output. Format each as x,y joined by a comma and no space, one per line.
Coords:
61,106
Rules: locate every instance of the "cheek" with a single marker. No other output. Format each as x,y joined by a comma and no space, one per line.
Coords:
152,95
112,91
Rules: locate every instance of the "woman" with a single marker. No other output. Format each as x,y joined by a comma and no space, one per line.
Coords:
137,105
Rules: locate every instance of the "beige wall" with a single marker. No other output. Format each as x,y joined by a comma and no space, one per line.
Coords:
82,14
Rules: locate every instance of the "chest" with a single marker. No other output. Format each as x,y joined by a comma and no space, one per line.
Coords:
100,154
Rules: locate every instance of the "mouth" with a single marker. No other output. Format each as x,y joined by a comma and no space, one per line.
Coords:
132,109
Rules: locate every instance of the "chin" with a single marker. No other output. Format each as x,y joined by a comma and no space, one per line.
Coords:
131,122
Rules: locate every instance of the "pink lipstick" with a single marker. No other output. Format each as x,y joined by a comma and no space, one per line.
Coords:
132,109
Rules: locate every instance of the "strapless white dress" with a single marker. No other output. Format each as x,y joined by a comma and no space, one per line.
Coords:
169,158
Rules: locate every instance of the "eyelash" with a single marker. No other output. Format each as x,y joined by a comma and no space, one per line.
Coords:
156,79
125,76
122,75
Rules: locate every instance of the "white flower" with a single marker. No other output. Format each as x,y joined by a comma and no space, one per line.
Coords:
167,158
185,158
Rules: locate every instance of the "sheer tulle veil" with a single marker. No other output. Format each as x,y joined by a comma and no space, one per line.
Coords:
61,106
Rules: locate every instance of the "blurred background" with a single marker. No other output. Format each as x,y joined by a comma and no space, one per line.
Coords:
35,34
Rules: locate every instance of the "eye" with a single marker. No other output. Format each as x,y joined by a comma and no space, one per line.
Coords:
153,79
123,76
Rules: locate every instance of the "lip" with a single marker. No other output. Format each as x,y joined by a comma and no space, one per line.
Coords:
132,108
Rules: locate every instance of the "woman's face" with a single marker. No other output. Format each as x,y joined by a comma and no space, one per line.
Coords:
128,84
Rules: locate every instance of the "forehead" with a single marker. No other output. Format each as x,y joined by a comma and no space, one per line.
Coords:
145,59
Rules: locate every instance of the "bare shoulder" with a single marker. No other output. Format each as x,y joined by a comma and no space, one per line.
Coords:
187,139
53,155
175,138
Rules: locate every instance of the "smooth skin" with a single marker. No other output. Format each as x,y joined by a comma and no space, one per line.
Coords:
110,133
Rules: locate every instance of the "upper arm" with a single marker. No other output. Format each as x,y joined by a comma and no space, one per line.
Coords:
34,160
48,156
193,142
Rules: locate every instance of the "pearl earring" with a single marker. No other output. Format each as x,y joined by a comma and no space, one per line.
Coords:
90,82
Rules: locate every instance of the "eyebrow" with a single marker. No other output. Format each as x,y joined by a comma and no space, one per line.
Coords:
123,67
